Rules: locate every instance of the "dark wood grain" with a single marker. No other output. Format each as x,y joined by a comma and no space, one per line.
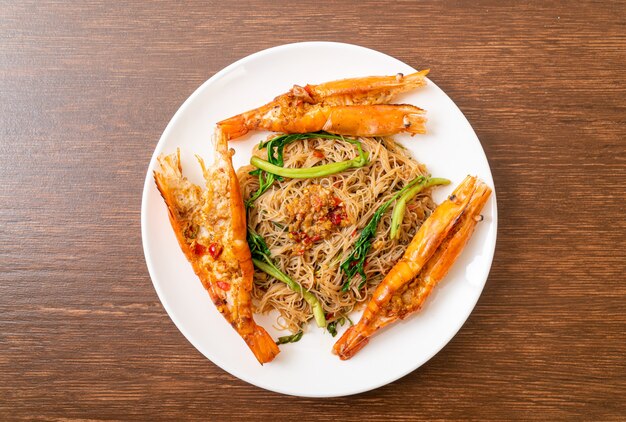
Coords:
86,90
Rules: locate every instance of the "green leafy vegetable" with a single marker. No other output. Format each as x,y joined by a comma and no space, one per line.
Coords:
290,339
400,208
280,226
261,258
332,326
275,151
356,260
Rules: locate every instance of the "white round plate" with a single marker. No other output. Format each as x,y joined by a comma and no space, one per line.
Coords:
308,368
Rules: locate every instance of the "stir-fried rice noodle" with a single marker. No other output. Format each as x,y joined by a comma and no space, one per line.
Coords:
311,225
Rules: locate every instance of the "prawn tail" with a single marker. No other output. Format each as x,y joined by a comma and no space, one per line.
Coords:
235,126
350,343
414,123
262,345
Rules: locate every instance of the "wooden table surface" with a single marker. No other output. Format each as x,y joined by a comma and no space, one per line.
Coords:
87,89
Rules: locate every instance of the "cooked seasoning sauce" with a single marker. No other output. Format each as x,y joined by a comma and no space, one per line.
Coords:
314,216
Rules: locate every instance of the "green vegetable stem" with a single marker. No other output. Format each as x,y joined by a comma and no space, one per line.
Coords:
312,172
400,208
290,339
262,260
272,169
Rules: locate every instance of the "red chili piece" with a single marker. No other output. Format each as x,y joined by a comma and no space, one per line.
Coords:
335,218
199,249
223,285
215,250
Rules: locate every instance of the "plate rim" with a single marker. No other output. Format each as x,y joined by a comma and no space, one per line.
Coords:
180,326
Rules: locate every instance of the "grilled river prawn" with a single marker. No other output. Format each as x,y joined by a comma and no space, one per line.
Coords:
426,261
210,227
353,107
